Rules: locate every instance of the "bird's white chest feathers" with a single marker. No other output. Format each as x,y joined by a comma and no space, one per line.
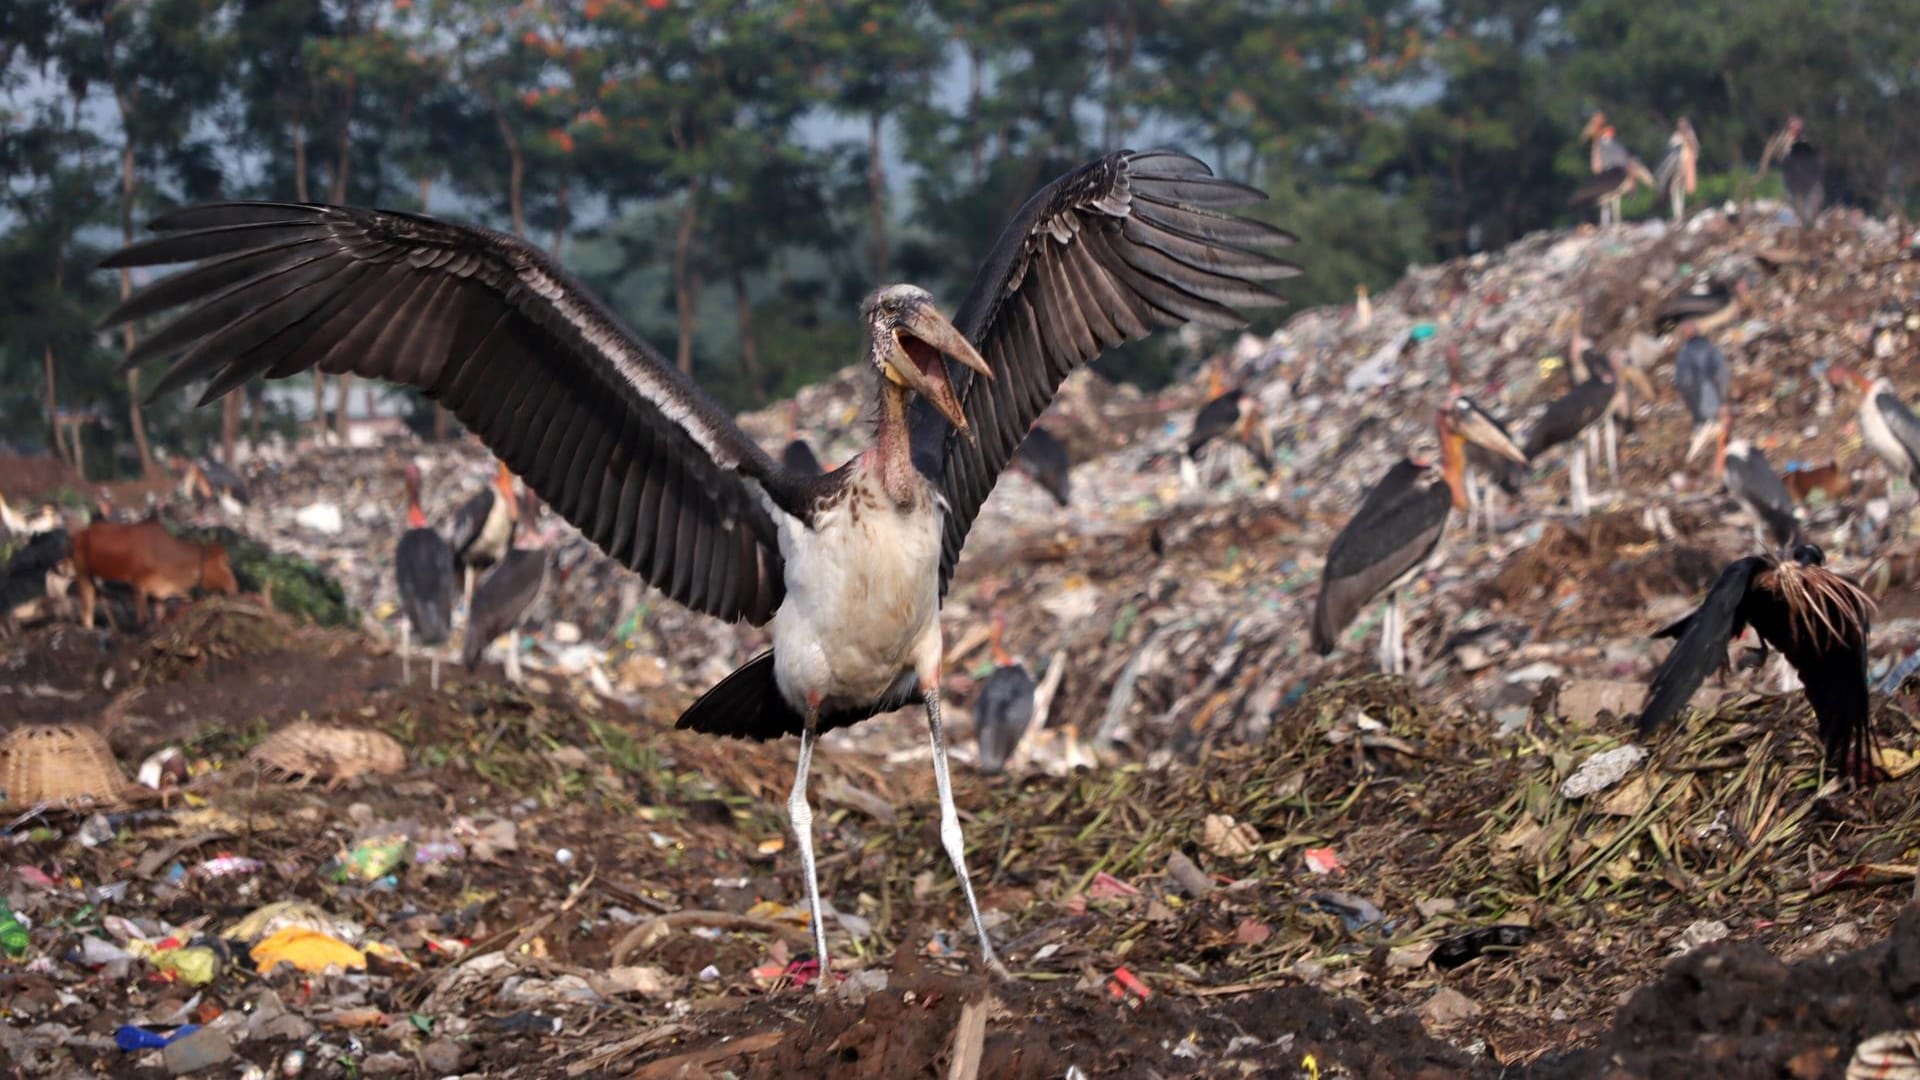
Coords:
863,600
1877,435
496,530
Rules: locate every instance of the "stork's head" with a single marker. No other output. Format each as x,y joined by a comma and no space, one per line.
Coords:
1453,458
1794,127
503,489
416,518
1684,126
911,343
1596,124
1689,331
1467,420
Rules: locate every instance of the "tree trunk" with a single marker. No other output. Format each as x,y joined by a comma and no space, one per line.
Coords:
256,404
53,406
129,183
876,198
686,282
300,161
974,126
516,170
229,426
319,406
426,188
749,352
342,413
560,221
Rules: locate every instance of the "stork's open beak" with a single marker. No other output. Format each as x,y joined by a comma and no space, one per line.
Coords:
1477,428
926,339
1595,124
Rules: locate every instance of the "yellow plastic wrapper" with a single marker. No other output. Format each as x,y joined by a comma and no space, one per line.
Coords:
307,950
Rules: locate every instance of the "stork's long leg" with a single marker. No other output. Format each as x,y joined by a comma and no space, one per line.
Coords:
1577,480
950,836
433,661
801,814
406,652
513,656
1610,437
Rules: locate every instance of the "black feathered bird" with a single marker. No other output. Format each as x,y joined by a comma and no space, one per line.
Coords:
1044,459
848,568
1818,619
24,579
1003,709
424,571
501,602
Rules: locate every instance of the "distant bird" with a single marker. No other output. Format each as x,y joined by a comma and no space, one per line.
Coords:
501,602
1489,474
797,457
1043,459
1229,414
849,569
1801,171
1887,426
1708,307
205,480
1818,619
1396,534
423,569
1567,420
1362,308
1756,487
1675,175
1700,373
482,529
1003,709
1615,172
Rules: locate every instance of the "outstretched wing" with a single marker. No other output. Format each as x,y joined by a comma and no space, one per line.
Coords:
1109,252
610,435
1702,648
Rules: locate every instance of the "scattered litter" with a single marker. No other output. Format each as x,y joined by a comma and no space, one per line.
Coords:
308,950
1323,861
1602,771
1451,952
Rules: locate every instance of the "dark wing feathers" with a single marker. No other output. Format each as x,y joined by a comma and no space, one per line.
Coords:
1121,246
1395,530
1568,416
1702,645
594,421
423,565
501,598
1599,186
1820,622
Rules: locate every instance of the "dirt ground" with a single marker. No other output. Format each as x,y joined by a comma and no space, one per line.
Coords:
1395,964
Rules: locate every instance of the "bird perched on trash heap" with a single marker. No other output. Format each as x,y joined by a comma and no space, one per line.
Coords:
1816,618
850,568
423,570
1396,534
1675,175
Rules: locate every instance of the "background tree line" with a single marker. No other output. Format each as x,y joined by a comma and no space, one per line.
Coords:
734,175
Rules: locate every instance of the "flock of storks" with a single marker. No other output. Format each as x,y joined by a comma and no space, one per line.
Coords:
847,568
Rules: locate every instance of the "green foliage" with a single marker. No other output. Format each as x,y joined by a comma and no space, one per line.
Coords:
297,586
733,177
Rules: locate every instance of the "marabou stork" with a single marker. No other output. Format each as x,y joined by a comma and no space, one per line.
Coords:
1701,375
1887,426
1756,487
1229,414
1567,419
206,480
423,570
501,601
1396,533
1488,472
1801,171
481,531
1043,458
1675,175
1708,307
1818,619
1003,708
1615,172
849,568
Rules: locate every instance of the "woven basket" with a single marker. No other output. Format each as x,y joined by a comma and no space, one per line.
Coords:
308,751
57,765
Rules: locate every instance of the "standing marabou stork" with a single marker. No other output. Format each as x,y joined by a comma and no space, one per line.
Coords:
503,598
1043,458
482,529
849,568
1801,171
1708,307
1887,426
1757,488
1676,174
1567,420
1818,619
1700,373
423,569
1004,707
1488,473
1396,534
1615,172
1229,414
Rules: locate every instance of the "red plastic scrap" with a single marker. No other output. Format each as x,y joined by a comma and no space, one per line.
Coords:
1125,986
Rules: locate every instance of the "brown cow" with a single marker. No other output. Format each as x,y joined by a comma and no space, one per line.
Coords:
146,556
